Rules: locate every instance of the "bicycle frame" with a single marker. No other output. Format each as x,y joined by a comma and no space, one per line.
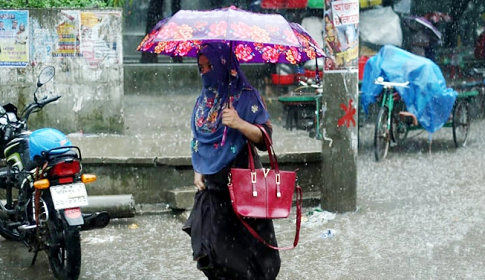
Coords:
383,128
318,106
388,100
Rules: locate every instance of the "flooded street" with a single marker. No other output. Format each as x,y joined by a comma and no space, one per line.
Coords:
419,216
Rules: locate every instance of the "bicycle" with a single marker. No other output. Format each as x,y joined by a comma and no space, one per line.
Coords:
394,122
382,133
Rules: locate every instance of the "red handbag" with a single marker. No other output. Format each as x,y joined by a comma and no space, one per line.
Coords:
264,193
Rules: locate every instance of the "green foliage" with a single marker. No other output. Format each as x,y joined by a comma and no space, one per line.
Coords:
25,4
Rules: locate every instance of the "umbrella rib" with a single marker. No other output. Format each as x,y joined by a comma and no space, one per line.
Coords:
227,24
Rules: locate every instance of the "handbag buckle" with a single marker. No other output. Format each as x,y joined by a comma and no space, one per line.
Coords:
266,171
253,181
253,177
278,179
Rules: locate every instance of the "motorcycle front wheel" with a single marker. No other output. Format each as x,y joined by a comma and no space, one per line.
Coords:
64,250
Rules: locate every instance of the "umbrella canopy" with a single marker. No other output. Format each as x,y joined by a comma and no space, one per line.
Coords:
284,4
417,23
254,37
437,17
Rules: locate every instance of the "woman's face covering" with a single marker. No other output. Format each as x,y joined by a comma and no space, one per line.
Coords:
209,78
204,64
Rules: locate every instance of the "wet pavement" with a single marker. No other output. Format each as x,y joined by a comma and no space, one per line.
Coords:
419,216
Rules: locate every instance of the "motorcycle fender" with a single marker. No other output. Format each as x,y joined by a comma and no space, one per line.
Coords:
73,216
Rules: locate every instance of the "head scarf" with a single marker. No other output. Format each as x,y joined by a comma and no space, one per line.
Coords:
224,84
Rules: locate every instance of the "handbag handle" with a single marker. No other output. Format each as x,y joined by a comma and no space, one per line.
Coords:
299,193
299,196
269,147
271,156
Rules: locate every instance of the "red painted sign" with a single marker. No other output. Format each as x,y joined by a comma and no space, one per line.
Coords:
349,115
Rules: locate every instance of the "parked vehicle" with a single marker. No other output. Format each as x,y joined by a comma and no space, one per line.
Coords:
394,122
42,188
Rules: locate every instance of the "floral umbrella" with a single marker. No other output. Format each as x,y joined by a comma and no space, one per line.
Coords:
254,37
417,23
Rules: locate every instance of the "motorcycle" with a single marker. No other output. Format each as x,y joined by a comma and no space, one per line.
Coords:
43,188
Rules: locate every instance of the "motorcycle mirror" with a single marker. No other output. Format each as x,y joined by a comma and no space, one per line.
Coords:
46,75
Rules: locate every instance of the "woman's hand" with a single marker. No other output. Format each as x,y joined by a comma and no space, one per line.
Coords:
199,181
231,118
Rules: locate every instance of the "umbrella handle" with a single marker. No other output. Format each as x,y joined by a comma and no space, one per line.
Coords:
317,72
224,136
223,141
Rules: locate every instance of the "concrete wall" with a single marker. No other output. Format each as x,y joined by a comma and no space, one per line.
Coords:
85,47
159,78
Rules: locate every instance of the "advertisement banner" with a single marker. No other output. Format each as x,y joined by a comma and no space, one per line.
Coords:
99,44
14,38
68,35
341,28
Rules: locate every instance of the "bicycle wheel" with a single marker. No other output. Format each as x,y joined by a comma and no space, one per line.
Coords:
381,134
399,131
461,123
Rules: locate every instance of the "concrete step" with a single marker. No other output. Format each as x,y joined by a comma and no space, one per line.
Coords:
182,198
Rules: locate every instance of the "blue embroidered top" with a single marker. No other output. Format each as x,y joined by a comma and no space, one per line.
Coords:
224,84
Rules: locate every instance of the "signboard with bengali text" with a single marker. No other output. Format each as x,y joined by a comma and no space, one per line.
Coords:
341,33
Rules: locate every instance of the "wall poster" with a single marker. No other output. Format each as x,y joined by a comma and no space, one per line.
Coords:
67,35
14,38
99,42
341,34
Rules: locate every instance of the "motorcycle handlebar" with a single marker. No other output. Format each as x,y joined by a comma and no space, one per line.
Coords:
42,103
38,104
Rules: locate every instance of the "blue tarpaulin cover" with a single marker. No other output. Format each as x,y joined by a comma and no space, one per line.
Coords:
427,96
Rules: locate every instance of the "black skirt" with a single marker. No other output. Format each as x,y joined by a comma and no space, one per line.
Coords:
222,246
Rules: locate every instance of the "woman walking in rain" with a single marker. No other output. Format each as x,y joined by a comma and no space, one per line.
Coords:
223,120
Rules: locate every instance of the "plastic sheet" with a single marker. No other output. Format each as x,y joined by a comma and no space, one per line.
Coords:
427,96
381,27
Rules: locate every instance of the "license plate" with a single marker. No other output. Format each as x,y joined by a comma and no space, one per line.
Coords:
69,196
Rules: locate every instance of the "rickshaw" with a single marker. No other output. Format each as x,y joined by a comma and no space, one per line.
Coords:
394,122
414,97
